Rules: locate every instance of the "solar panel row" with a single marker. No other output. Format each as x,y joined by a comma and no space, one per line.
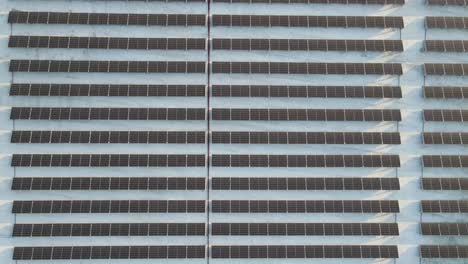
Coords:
363,2
307,91
447,45
304,229
447,22
446,92
161,137
107,66
445,138
106,43
441,251
294,252
258,114
307,44
445,161
307,21
306,68
22,17
298,161
106,229
305,206
108,183
108,206
455,69
447,2
107,160
445,115
38,89
444,206
65,113
445,184
444,229
244,137
297,183
108,252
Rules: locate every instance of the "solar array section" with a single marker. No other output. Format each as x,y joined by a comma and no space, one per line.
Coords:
304,229
447,22
445,161
446,92
37,89
107,160
54,42
307,68
439,251
445,115
142,137
363,2
107,183
107,66
305,206
309,161
444,206
295,252
445,138
20,17
105,229
108,206
308,21
65,113
244,137
207,186
307,91
336,183
446,69
447,2
444,229
447,45
307,44
445,184
109,252
256,114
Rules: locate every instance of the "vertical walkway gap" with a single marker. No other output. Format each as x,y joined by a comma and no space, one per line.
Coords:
208,127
